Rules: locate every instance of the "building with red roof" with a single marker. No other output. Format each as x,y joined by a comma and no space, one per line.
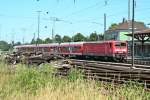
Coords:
123,31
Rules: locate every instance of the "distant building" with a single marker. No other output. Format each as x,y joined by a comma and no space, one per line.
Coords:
123,28
120,31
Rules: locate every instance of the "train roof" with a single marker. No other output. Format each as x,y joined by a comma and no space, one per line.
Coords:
35,45
72,43
67,43
91,42
105,41
48,45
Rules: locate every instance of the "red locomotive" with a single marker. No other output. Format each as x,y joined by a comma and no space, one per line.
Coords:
114,50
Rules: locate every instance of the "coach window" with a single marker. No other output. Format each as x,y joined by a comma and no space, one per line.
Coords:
45,49
76,48
20,49
51,49
63,48
73,48
66,48
41,49
30,49
25,49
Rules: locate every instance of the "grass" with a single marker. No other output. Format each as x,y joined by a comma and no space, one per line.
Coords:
21,82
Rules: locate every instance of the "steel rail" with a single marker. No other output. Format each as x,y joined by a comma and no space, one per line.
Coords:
110,71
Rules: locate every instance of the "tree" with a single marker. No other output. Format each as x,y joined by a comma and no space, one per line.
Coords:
78,37
17,43
4,46
33,41
39,41
101,36
93,37
48,40
58,38
87,38
113,26
66,39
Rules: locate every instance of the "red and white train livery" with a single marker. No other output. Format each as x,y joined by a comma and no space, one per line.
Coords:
116,50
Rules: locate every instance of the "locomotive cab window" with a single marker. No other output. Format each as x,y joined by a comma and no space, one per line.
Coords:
120,44
123,44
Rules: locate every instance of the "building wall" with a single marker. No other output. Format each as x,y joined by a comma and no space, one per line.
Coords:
118,35
123,37
113,35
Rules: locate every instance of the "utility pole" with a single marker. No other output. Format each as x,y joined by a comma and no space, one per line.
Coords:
104,26
129,18
105,34
23,40
129,4
54,20
38,30
39,12
133,34
106,2
23,32
34,36
13,38
53,30
105,29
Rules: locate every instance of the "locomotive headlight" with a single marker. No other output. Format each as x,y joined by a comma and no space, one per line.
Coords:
124,50
116,50
120,50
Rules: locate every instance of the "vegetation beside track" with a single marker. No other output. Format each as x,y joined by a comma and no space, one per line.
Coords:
22,82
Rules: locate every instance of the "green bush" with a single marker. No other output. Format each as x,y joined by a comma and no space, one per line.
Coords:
74,75
29,80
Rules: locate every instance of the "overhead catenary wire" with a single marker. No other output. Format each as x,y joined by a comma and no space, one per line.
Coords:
114,16
111,15
84,9
89,19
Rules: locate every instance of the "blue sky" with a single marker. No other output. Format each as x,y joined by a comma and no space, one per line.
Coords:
18,18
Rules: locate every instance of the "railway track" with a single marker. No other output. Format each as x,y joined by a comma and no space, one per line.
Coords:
141,62
109,71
